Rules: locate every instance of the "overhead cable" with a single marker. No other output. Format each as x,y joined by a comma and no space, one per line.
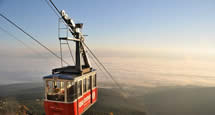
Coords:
57,13
20,41
32,37
106,70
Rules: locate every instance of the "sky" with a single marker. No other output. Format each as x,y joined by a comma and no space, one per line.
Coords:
152,29
186,25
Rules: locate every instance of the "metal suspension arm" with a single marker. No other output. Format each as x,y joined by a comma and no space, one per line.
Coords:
69,22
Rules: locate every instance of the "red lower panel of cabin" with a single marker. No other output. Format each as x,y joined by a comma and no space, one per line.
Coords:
61,108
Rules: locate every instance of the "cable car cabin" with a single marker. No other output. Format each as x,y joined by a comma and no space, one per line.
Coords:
69,94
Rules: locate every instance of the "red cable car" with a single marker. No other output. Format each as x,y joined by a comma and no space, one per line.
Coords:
69,94
71,90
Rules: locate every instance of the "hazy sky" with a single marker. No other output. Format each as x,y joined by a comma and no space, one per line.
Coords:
117,24
153,29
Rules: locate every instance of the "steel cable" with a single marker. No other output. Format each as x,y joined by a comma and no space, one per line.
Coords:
34,39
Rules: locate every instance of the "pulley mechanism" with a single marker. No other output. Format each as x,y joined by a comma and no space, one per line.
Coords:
80,52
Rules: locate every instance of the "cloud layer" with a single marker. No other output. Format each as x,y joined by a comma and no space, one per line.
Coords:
21,66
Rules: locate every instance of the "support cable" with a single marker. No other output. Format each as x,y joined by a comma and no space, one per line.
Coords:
20,41
57,11
97,65
47,2
106,70
124,93
70,51
32,37
55,6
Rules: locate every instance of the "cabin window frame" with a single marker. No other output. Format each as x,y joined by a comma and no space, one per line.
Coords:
79,88
88,83
75,93
84,85
94,81
91,82
53,82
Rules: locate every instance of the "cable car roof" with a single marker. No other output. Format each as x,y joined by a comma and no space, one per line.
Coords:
67,76
61,76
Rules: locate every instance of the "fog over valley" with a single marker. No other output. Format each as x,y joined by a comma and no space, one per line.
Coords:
152,70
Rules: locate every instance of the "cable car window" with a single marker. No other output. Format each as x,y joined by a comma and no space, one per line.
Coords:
88,83
85,85
71,91
94,81
49,86
80,88
55,90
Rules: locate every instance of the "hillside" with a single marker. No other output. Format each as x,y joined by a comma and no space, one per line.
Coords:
186,100
181,101
29,94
